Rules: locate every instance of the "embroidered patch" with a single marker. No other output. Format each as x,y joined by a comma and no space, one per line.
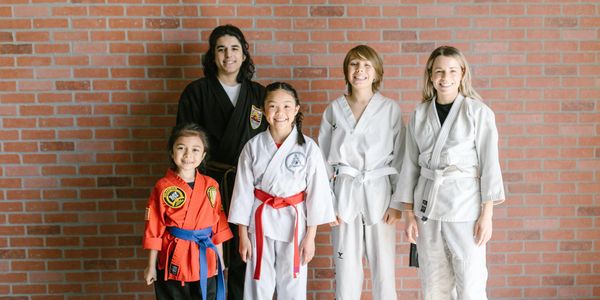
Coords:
147,214
211,193
255,117
294,161
173,196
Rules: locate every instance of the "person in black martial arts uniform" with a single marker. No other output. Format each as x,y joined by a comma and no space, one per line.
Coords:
228,106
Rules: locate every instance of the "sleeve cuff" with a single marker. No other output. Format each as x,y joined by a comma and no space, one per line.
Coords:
152,243
222,236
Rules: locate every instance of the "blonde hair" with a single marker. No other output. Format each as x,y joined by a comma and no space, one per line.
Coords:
465,88
368,53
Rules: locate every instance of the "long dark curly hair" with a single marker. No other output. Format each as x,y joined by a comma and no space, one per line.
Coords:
208,61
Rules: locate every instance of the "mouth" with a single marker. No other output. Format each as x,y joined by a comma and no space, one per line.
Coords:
360,78
229,62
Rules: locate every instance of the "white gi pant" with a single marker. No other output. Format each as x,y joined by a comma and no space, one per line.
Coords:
451,265
276,272
351,241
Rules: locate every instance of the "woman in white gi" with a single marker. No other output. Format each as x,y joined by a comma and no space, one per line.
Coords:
450,180
361,139
281,194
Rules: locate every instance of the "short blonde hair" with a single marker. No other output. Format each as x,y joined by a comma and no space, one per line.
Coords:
465,88
368,53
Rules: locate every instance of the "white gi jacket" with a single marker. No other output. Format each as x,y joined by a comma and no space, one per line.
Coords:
363,157
454,176
281,172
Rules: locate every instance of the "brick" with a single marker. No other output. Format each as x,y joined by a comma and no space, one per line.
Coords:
327,11
588,211
162,23
106,10
16,49
561,22
73,85
56,146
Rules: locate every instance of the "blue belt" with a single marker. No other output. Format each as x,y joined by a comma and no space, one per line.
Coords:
202,238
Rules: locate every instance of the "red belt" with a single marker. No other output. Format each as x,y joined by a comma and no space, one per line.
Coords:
275,202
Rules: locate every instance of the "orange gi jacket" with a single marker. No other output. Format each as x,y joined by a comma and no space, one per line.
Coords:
173,203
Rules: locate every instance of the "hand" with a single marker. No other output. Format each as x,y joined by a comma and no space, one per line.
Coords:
391,216
410,226
307,249
483,230
245,248
336,222
150,275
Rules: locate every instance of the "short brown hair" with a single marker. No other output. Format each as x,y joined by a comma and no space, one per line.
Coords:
368,53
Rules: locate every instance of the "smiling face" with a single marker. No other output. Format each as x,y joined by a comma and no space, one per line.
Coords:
187,153
361,74
280,110
446,76
229,55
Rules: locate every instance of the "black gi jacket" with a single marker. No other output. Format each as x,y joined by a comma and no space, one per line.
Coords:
205,102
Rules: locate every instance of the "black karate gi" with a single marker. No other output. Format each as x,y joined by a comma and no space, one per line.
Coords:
206,103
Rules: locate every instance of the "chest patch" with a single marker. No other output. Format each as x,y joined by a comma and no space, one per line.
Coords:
255,117
173,196
295,161
211,193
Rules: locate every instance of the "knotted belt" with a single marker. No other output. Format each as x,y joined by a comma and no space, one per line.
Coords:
438,177
275,202
203,239
361,177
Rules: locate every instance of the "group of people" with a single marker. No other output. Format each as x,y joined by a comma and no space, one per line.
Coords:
239,160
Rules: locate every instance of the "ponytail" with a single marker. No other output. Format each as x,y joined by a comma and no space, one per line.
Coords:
299,118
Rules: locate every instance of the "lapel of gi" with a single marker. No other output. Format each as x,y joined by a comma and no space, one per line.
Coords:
272,170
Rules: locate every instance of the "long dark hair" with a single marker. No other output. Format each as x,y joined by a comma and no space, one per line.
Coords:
290,90
208,61
188,129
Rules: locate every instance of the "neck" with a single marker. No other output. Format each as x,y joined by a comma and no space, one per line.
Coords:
187,175
361,96
279,134
228,79
446,99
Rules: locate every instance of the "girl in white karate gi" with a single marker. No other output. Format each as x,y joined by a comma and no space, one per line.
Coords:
361,139
450,180
281,194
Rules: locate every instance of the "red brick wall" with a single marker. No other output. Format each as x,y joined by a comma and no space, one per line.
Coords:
88,89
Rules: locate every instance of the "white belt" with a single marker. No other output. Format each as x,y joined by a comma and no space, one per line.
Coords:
363,176
438,177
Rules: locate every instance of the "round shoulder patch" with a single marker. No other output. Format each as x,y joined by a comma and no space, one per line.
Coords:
173,196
